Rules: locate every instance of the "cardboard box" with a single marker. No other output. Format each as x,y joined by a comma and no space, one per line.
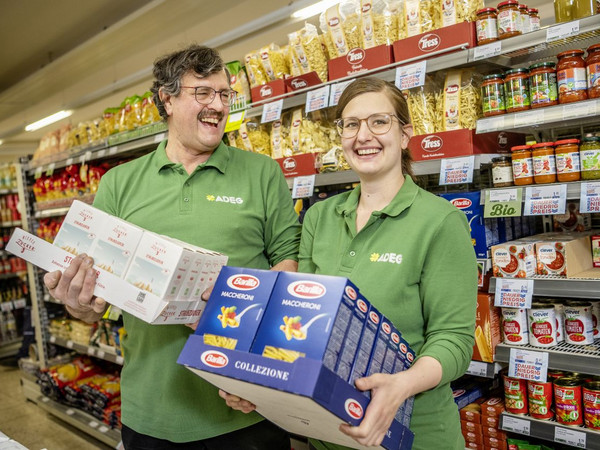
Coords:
302,81
494,432
492,407
263,93
114,290
488,421
488,333
473,446
471,427
80,228
493,442
476,438
298,165
302,397
563,255
514,259
443,40
595,250
359,60
471,412
365,346
450,144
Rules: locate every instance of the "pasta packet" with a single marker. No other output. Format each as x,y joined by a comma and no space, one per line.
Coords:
279,140
422,103
235,140
333,160
150,113
421,16
291,59
379,23
308,50
273,62
256,74
461,100
239,83
315,133
255,138
456,11
340,25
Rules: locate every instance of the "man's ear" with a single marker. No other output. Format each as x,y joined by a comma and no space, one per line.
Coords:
166,100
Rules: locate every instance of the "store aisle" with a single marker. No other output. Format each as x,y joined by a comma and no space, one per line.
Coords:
28,424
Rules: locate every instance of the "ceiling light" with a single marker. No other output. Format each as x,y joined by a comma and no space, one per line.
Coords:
1,142
48,120
314,9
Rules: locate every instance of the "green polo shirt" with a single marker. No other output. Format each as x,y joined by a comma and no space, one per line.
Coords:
415,262
237,203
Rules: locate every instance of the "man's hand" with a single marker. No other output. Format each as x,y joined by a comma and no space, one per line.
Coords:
75,288
237,403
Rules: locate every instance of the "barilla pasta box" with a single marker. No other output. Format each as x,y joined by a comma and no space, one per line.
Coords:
80,228
382,338
307,316
303,397
236,306
115,245
365,346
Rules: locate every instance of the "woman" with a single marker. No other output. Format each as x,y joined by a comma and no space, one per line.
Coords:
427,289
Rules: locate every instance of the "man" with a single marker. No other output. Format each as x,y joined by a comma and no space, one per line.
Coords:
194,188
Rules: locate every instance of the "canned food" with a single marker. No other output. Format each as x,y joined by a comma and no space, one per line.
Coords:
555,374
591,404
539,396
542,325
567,401
514,326
579,327
560,316
515,395
595,318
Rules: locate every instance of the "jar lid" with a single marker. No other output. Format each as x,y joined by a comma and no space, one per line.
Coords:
486,10
508,3
567,142
511,71
522,6
591,139
492,76
520,147
501,159
543,144
575,51
549,65
532,11
593,48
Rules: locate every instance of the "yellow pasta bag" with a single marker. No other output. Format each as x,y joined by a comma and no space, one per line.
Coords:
256,137
340,25
254,69
461,100
239,83
422,107
309,51
273,62
421,16
379,23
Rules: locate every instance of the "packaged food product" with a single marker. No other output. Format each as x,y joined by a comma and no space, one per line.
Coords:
568,401
542,85
379,23
522,165
525,25
420,16
571,76
492,94
579,327
516,90
583,8
150,112
542,325
591,405
568,167
306,46
110,117
340,25
273,62
562,10
422,107
239,83
255,138
544,163
589,154
487,26
254,69
508,19
539,396
515,395
502,171
592,67
534,19
461,100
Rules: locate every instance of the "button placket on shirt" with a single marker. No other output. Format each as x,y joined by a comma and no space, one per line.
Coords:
186,192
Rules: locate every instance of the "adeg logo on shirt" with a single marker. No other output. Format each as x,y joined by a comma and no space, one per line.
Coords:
393,258
225,199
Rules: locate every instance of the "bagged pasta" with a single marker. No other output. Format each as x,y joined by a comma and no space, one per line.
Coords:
315,133
273,62
379,23
308,50
460,105
422,107
421,16
340,25
291,59
235,140
239,82
456,11
279,140
255,138
254,69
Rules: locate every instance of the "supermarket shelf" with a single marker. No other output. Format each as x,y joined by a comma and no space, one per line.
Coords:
573,189
15,223
579,113
6,276
569,357
8,191
81,420
60,206
483,369
10,348
87,350
549,430
10,305
561,287
54,212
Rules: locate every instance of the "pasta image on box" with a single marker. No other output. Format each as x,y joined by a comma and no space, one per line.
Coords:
80,228
307,316
235,309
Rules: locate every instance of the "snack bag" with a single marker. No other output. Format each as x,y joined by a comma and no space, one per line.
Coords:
150,112
239,83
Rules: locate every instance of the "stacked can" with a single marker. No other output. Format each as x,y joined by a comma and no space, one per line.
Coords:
579,326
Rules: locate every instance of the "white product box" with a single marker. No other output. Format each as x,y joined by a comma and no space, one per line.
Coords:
80,228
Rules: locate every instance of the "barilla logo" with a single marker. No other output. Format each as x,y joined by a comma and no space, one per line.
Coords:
350,292
306,289
432,143
374,317
299,83
362,305
289,164
429,42
334,21
26,243
158,249
395,338
387,329
355,56
353,408
243,282
502,139
410,357
452,89
403,348
266,91
84,215
462,203
458,393
214,358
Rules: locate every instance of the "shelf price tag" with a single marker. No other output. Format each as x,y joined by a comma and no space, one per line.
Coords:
50,169
234,121
528,365
69,344
491,124
570,437
20,303
336,92
513,293
411,76
101,153
457,170
69,161
303,186
520,426
543,200
528,118
119,360
487,51
38,172
272,111
589,200
6,306
317,99
478,368
160,136
562,31
113,150
503,203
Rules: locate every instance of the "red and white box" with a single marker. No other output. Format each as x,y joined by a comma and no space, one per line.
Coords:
267,91
359,60
298,165
302,81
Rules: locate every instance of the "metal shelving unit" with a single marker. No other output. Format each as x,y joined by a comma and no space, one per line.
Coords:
10,348
96,352
561,287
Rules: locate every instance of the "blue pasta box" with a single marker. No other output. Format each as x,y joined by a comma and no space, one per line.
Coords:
307,316
382,338
365,346
236,306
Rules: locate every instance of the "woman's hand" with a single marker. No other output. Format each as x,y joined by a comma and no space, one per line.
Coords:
237,403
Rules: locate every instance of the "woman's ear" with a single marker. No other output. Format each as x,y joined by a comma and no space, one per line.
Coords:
166,100
408,133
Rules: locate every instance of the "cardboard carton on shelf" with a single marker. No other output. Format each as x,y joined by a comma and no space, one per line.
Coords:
264,92
487,328
359,60
298,165
302,81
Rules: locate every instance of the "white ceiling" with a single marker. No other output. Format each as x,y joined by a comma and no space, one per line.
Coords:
87,56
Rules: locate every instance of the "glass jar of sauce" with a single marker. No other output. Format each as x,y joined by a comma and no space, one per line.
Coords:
534,19
502,175
516,90
492,95
566,152
522,165
544,163
525,24
571,76
589,154
509,19
592,67
487,26
542,85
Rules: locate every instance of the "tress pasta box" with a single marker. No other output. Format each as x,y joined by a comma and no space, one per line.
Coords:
307,316
236,306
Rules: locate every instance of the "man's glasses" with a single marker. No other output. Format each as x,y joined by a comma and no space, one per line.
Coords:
377,123
205,95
